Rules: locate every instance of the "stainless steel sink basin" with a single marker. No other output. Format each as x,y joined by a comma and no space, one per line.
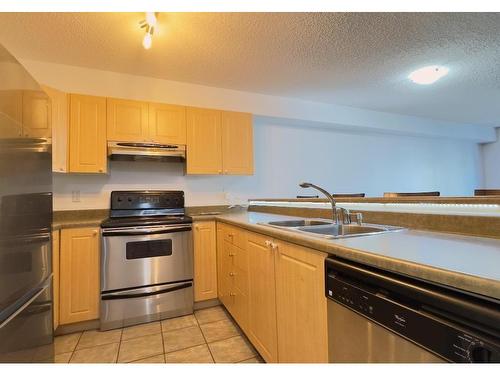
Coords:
326,229
344,230
299,223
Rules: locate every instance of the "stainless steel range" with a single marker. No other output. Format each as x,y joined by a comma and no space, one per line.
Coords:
146,259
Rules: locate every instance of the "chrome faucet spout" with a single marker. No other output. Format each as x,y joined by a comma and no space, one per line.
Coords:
340,215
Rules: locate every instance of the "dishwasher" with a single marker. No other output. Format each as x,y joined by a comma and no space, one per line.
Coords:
376,316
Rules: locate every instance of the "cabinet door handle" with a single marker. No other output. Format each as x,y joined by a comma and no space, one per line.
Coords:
232,254
232,294
274,246
268,243
197,227
94,233
232,274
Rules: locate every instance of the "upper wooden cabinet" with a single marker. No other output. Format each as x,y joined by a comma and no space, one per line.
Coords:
127,120
219,142
37,117
205,261
11,108
167,123
237,143
79,275
204,151
87,134
59,104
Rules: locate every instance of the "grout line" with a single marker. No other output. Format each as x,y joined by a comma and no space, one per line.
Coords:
163,344
119,346
76,346
204,338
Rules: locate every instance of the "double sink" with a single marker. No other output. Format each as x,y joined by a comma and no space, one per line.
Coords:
328,229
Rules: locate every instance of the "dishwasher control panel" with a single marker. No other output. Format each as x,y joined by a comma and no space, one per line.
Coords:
433,333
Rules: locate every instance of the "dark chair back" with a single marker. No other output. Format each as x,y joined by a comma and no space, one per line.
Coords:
416,194
486,192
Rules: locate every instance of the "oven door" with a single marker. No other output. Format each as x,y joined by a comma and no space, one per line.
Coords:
146,256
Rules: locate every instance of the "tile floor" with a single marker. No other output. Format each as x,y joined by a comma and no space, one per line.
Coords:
207,336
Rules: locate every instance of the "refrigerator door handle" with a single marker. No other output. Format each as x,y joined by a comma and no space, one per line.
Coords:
40,290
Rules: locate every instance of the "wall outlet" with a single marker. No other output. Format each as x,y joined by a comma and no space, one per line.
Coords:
75,196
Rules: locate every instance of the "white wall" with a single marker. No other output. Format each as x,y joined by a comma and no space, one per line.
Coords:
286,155
491,163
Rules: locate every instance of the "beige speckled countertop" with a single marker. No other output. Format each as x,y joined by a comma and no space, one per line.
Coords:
468,263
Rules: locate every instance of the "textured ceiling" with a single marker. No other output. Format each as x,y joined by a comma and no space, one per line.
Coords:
360,59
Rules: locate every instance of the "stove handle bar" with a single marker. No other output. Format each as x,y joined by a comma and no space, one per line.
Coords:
108,232
123,295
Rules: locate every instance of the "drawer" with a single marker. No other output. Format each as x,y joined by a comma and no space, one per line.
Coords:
233,235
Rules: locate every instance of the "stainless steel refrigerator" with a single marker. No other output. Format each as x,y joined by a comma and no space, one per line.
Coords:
26,316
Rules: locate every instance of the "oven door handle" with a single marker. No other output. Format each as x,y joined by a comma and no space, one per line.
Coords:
140,231
124,294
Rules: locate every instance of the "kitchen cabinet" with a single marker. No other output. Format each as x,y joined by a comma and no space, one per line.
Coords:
36,115
55,279
300,304
205,261
262,329
275,294
87,134
203,141
219,142
237,143
59,105
79,275
126,120
167,123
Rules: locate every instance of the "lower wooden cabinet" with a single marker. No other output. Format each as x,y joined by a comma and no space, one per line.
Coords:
275,292
300,304
262,297
79,275
55,279
205,261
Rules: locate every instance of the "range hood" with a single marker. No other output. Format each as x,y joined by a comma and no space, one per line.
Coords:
146,151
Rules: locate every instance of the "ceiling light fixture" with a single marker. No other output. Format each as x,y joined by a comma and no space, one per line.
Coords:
428,74
149,24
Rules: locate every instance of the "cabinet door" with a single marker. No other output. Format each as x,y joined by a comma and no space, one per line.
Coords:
223,268
37,116
237,143
262,297
79,275
55,271
301,304
60,128
127,120
11,106
205,261
204,154
167,123
87,134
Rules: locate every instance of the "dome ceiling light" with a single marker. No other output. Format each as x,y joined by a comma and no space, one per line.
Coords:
428,74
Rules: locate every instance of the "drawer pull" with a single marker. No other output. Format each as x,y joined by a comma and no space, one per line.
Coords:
232,274
268,243
232,254
232,294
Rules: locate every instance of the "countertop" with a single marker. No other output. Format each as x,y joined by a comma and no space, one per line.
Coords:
468,263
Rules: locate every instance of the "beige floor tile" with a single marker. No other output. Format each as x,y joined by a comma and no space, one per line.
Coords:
66,343
94,338
160,358
182,338
211,314
253,360
140,347
219,330
196,354
177,323
62,358
98,354
234,349
141,330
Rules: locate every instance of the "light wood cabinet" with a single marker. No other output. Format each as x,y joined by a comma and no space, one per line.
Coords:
237,143
87,134
37,117
262,329
300,304
11,110
55,279
167,123
203,141
205,261
59,104
79,275
127,120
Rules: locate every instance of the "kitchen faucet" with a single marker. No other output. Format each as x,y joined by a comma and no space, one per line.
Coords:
340,215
